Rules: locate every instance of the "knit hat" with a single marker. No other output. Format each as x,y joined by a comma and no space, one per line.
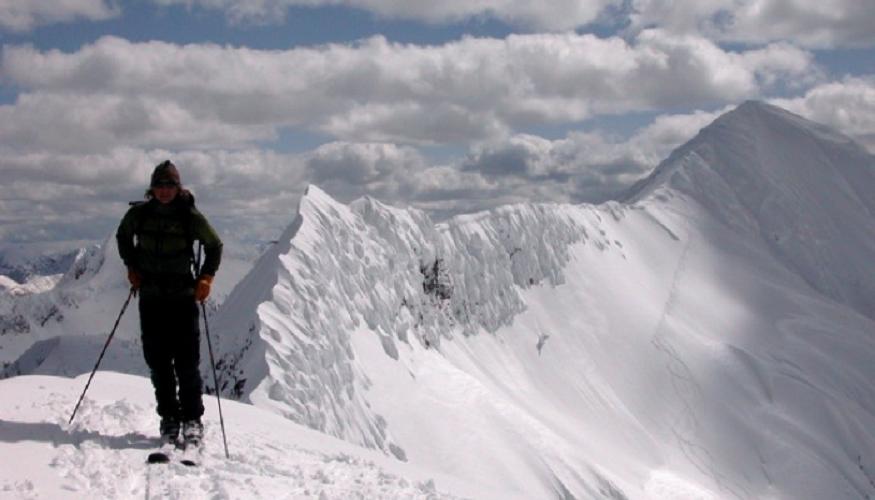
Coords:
165,173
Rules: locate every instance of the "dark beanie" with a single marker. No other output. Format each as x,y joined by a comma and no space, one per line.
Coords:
165,173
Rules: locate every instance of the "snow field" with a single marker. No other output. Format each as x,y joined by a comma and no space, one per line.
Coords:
102,454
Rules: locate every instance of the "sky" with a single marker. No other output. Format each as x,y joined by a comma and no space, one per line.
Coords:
450,107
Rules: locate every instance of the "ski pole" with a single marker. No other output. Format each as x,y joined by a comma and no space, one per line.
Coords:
99,359
215,379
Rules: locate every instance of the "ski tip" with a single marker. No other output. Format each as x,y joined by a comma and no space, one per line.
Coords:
157,458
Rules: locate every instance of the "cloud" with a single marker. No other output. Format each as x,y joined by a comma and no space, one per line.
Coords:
70,122
25,15
584,166
361,164
351,170
115,93
553,15
847,105
812,23
250,195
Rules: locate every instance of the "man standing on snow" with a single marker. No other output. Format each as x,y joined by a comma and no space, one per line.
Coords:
155,241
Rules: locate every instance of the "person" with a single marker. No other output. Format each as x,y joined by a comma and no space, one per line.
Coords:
155,241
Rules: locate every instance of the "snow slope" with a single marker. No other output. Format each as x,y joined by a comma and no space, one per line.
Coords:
803,189
102,454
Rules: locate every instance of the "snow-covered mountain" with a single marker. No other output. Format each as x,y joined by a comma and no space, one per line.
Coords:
710,337
32,285
802,189
75,314
22,263
55,324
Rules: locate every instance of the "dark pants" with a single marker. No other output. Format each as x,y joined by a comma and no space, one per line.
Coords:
171,346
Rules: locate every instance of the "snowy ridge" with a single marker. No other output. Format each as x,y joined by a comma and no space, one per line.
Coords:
580,344
804,189
362,270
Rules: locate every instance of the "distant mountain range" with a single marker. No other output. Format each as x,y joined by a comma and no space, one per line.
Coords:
22,264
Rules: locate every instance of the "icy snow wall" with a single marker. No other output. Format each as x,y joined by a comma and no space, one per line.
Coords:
371,269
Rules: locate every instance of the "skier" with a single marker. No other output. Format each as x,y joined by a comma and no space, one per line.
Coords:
155,241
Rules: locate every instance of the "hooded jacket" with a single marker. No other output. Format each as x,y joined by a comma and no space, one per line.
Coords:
156,241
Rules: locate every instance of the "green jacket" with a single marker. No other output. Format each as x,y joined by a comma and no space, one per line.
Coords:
157,241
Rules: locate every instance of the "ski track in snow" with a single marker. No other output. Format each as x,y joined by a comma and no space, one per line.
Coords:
683,381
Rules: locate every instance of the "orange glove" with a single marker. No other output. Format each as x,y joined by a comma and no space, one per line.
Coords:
135,279
202,287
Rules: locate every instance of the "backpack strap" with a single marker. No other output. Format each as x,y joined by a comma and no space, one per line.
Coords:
141,207
188,227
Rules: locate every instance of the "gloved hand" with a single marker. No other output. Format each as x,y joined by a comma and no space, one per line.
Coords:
202,287
135,279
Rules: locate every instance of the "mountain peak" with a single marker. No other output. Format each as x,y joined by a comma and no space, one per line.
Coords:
760,114
792,182
757,139
753,105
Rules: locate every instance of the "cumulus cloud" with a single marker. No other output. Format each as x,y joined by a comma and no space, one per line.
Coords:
553,15
813,23
25,15
159,94
82,136
68,122
847,105
361,163
350,170
250,194
583,167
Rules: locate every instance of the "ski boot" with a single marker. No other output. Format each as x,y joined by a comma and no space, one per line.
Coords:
192,432
169,429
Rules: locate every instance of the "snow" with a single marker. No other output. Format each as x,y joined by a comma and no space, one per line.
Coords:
710,337
803,189
103,453
34,284
22,262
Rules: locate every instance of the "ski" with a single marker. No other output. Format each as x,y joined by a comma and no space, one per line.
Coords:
158,457
162,455
191,455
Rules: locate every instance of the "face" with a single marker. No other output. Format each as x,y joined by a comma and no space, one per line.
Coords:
165,193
